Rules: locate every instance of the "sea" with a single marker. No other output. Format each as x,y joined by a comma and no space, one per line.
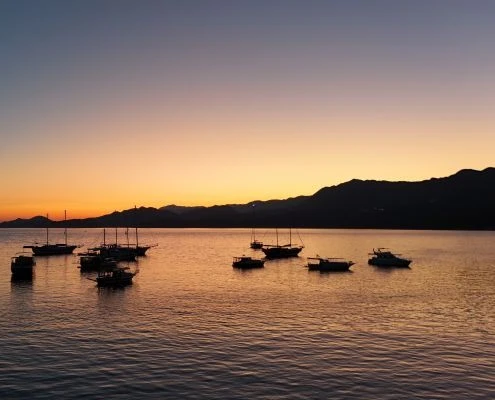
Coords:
193,327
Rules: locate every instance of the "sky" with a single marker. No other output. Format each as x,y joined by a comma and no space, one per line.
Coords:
105,105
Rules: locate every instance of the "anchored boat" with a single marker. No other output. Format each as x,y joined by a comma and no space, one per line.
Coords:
281,251
53,249
247,262
325,264
383,257
21,265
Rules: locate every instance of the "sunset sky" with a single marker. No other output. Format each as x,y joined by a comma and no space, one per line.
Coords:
109,104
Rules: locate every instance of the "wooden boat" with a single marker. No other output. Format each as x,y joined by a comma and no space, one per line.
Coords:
94,261
324,264
255,244
383,257
22,264
247,262
140,249
281,251
115,277
115,250
53,249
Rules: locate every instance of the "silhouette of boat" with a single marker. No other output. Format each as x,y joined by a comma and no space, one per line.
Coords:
383,257
281,251
123,252
115,250
247,262
140,249
21,265
115,277
53,249
94,261
255,244
328,264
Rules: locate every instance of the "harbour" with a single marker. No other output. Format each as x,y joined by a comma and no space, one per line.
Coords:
191,326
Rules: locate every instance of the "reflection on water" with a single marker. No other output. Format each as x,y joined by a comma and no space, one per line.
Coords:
22,280
191,326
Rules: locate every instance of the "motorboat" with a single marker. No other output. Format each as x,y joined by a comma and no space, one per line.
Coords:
247,262
325,264
256,244
383,257
94,261
115,277
22,264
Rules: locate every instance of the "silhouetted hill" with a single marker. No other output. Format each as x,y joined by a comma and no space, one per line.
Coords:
464,200
35,222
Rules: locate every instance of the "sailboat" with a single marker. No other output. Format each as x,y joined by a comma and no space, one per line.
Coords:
255,244
55,248
116,251
140,249
281,251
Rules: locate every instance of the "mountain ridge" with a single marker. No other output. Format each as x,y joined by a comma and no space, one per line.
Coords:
463,200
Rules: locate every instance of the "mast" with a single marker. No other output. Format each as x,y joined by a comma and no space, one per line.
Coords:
104,242
253,235
276,233
290,237
65,226
115,236
47,223
137,241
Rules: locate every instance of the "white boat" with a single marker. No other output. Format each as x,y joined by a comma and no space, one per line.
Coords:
383,257
328,264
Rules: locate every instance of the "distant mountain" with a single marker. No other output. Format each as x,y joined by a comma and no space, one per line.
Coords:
465,200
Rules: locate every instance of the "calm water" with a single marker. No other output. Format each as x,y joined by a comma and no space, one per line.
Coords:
193,327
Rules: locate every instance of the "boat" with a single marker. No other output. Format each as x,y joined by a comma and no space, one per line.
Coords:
325,264
115,277
247,262
281,251
116,251
22,264
383,257
140,249
94,261
255,244
55,248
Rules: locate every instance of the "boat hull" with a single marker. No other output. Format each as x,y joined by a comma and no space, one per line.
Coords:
397,262
256,245
281,252
250,265
115,277
113,282
330,266
52,249
119,253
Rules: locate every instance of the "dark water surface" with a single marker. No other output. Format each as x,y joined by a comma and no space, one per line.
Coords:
193,327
